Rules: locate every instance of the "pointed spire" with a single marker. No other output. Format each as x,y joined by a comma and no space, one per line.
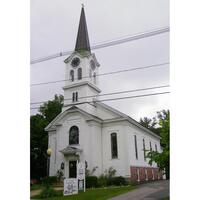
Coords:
82,40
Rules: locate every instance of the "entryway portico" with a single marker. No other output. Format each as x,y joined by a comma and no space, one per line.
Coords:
72,156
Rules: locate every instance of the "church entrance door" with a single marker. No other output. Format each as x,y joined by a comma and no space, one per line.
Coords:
72,169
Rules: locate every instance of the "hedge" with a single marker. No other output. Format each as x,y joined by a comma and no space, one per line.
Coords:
91,181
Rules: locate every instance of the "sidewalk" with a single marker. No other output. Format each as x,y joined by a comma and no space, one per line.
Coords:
149,191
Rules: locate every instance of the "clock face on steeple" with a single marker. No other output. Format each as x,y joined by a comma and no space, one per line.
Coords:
75,62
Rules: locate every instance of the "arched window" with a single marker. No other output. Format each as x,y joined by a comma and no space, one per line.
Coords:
74,135
79,73
72,75
114,152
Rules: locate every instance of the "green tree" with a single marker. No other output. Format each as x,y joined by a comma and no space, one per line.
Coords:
39,138
52,108
39,143
151,124
162,158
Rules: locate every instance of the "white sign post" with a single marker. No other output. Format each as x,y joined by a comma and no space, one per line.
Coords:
70,186
81,176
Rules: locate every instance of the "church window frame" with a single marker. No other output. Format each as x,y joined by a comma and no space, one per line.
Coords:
144,149
136,148
74,135
150,151
79,73
114,145
74,96
72,75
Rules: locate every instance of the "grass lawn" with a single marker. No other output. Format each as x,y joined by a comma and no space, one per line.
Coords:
94,194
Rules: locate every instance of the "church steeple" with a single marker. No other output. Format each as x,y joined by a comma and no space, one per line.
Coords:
81,70
82,41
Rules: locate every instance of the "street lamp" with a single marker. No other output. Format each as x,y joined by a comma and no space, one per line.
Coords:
49,151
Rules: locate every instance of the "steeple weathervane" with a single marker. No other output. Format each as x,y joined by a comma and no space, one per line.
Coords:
82,41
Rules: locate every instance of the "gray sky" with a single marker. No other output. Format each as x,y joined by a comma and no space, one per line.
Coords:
54,25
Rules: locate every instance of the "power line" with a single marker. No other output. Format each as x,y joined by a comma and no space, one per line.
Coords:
107,73
111,93
120,98
106,44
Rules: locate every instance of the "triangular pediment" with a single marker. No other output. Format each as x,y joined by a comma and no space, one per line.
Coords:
73,109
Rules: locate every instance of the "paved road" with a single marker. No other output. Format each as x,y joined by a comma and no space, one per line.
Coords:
149,191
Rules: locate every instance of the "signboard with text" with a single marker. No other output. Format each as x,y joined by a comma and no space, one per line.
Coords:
81,176
70,186
81,171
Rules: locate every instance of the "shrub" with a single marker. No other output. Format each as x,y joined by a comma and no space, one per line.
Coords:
90,172
91,181
119,180
102,181
48,192
109,173
59,175
49,180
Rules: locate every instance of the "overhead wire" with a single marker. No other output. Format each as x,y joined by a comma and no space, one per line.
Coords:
119,98
106,73
106,44
111,93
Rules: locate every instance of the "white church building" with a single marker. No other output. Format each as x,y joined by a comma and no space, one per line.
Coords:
90,131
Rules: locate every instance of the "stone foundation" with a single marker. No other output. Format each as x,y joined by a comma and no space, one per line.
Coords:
145,174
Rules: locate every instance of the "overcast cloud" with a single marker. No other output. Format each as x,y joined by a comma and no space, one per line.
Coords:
54,25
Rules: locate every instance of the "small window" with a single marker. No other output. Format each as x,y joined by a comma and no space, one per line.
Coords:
144,149
72,75
73,97
90,73
95,80
156,148
114,151
136,150
79,73
74,135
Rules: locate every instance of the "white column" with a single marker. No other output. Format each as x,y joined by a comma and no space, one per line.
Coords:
146,174
138,174
153,174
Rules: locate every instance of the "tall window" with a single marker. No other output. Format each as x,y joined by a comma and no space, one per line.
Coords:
72,75
156,148
114,152
150,150
144,149
74,135
150,146
79,73
136,151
